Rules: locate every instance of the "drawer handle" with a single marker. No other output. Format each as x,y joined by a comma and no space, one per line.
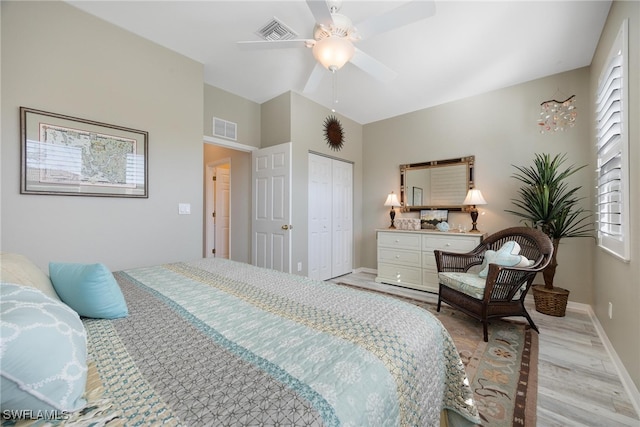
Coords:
397,275
448,244
397,256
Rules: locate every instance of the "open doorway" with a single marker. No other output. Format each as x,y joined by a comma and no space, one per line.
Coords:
218,208
238,156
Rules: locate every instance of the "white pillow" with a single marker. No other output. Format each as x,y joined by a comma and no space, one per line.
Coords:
19,269
506,256
43,348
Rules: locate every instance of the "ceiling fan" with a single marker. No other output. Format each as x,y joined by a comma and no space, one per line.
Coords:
334,36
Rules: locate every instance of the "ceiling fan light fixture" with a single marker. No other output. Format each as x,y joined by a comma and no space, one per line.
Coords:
333,52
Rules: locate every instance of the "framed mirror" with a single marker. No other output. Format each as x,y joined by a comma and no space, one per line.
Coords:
437,184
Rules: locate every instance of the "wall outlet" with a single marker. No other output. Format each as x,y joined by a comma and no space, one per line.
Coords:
299,266
610,310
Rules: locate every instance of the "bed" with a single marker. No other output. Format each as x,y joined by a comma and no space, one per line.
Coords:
218,342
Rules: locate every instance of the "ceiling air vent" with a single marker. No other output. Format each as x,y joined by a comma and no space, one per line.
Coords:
225,128
276,30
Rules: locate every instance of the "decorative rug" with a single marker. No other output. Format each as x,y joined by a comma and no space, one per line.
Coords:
503,372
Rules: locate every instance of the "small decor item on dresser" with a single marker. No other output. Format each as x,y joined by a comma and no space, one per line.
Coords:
432,217
443,226
333,133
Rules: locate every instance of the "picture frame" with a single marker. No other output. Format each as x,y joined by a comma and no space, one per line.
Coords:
416,196
64,155
429,218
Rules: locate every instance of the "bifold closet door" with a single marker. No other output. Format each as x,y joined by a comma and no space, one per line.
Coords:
330,217
342,218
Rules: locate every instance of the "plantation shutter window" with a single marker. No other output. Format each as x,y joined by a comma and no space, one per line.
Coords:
612,142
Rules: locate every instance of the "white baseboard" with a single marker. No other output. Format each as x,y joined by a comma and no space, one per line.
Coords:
627,382
366,270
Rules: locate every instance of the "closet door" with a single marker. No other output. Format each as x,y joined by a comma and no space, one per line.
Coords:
342,222
330,217
319,251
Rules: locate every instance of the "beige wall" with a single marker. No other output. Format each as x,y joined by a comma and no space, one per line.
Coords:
59,59
499,128
224,105
616,281
276,120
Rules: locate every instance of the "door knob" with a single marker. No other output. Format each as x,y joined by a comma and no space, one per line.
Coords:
287,227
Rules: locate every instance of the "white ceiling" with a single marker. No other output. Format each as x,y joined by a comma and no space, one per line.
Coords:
467,48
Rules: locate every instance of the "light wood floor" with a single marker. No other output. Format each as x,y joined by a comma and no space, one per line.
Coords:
578,384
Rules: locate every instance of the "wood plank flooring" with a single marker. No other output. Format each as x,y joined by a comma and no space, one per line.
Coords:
578,384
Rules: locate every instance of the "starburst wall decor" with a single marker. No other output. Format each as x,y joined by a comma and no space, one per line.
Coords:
333,133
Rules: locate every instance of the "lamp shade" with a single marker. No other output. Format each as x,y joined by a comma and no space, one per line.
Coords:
333,52
392,200
474,197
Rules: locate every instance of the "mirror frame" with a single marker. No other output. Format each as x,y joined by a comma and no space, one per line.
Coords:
469,161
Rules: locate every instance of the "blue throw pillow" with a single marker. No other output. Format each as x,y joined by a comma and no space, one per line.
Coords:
506,256
89,289
44,352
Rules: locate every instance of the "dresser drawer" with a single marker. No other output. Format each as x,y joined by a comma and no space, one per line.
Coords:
430,280
399,256
450,243
399,275
399,240
428,261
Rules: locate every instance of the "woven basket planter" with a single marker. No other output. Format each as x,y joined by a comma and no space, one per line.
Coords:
550,301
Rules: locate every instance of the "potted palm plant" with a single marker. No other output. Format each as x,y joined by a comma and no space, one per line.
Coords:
547,202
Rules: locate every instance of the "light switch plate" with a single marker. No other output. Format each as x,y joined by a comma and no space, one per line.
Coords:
184,208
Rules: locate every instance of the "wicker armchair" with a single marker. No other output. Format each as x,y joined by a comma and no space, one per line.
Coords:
503,291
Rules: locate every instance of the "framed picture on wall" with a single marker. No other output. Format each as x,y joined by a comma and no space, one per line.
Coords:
63,155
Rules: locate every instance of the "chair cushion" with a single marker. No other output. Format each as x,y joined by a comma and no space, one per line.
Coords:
506,256
470,284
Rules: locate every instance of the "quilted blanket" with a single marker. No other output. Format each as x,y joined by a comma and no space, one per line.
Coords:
216,342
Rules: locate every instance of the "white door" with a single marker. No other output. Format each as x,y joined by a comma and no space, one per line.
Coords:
271,221
222,212
319,264
330,217
342,222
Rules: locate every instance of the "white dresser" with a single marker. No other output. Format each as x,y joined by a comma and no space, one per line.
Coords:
405,257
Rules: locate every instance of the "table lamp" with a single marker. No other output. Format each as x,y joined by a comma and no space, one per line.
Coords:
392,200
474,197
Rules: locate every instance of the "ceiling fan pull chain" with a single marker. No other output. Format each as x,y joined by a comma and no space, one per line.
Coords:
334,77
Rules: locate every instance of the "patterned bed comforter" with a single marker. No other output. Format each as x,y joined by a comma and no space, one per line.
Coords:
216,342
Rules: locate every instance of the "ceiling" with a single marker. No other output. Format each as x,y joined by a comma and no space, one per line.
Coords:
466,48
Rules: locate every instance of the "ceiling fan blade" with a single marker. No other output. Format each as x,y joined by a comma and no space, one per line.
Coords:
314,78
372,66
408,13
275,44
320,11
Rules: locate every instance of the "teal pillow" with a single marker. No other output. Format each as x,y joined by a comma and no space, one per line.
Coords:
506,256
89,289
44,352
